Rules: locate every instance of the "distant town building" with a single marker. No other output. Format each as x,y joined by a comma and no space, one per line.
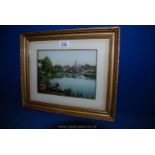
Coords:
76,68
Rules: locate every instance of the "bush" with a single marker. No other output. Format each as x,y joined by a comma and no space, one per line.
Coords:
68,92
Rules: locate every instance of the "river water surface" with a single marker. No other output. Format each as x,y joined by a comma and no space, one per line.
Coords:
78,84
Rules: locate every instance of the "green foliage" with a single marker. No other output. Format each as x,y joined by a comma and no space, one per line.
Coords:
46,65
45,70
87,65
90,75
79,94
68,92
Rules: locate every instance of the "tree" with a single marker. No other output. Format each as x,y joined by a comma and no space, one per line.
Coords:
45,71
46,65
87,66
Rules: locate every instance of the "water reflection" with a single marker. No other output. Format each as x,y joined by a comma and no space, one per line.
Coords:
75,85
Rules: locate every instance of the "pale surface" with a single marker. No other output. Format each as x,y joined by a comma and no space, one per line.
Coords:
102,46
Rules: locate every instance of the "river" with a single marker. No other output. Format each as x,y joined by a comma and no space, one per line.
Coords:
78,84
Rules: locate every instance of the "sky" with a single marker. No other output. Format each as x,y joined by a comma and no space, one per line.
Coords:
68,57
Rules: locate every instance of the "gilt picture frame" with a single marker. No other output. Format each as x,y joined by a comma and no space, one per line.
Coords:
72,71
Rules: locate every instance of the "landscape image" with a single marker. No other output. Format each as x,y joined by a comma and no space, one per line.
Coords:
70,73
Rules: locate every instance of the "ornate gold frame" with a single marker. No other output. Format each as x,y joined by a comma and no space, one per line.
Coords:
87,33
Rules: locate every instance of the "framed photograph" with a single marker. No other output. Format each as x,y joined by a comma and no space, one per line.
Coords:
71,72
